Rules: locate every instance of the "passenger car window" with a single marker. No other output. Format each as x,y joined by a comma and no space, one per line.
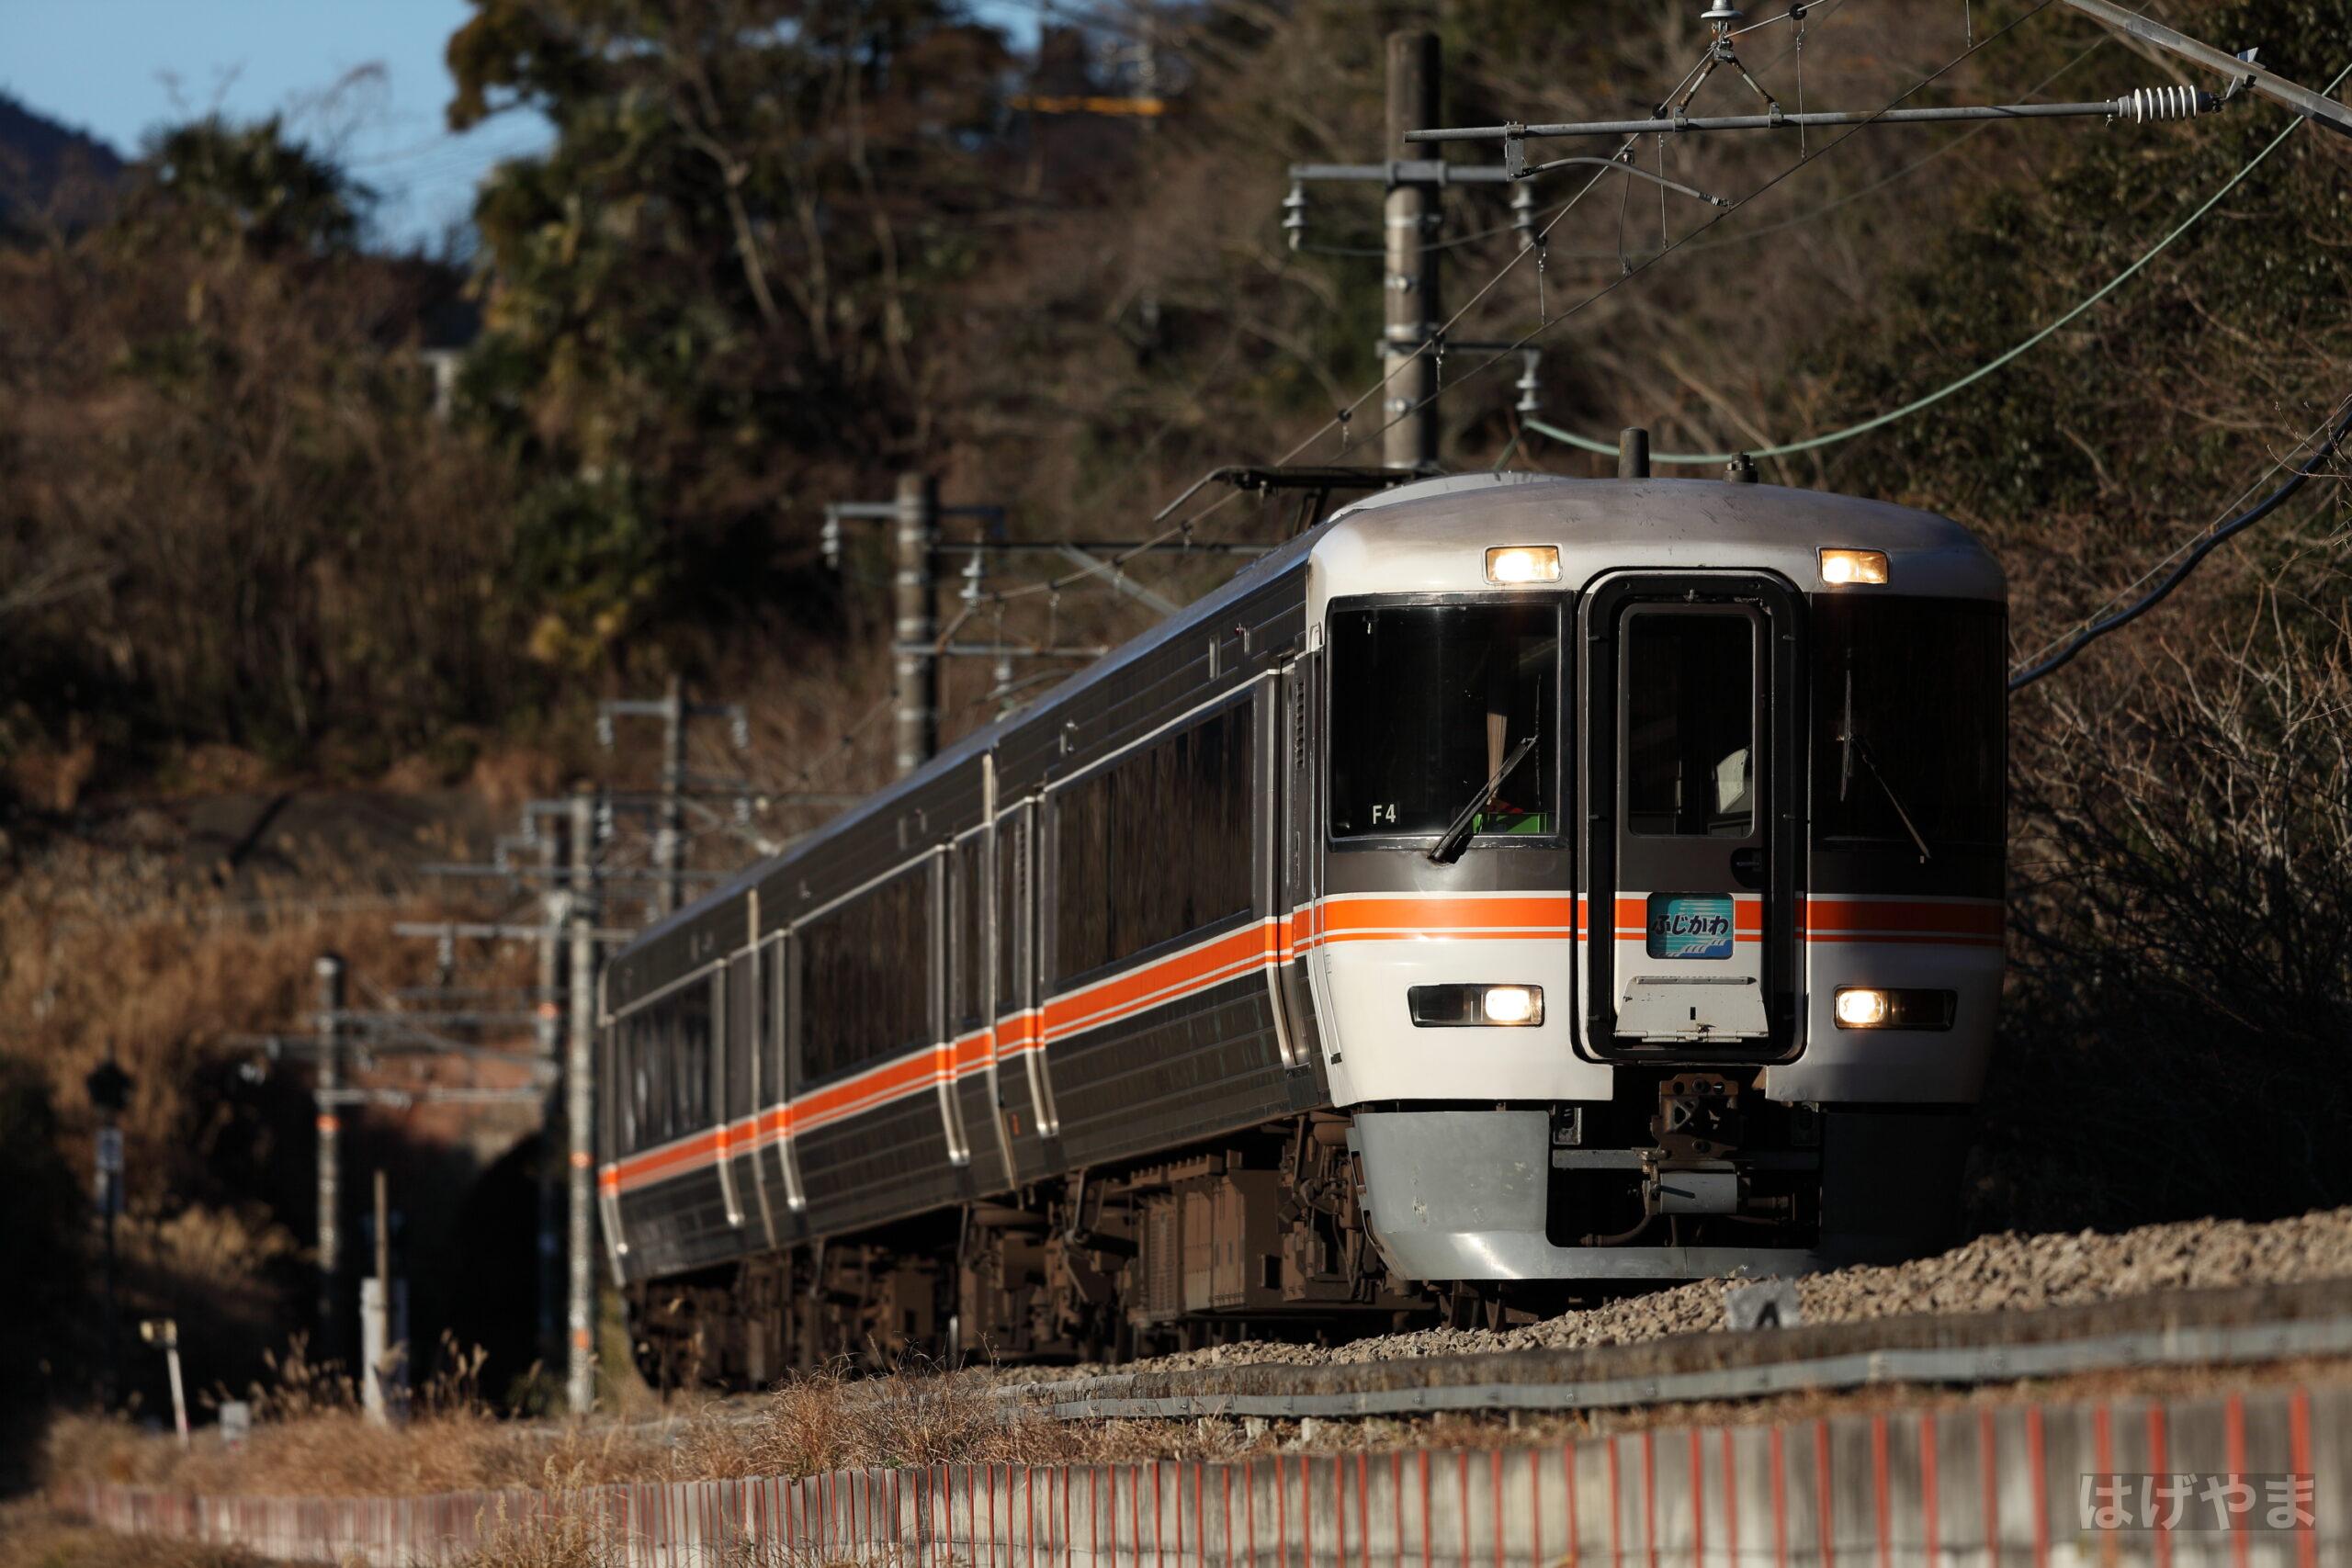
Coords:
1427,701
1928,679
1689,722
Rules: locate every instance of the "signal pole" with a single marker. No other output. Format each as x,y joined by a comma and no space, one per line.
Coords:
914,670
1411,295
110,1091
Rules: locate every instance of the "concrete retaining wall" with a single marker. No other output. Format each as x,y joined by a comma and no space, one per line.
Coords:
1992,1486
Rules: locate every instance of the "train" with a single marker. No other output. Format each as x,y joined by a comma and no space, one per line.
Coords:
1513,890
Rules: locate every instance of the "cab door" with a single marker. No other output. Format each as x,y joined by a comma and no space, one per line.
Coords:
1691,794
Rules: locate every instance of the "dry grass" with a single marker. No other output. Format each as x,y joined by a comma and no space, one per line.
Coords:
308,1441
33,1535
916,1420
122,950
105,950
913,1418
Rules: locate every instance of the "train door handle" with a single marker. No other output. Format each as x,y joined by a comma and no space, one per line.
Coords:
1747,867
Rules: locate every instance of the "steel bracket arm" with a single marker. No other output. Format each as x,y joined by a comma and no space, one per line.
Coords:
2302,100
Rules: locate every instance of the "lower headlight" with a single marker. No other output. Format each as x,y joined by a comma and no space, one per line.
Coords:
1869,1006
1472,1007
1512,1004
1861,1008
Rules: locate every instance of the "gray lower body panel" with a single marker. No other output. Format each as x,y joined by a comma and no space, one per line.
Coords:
1465,1195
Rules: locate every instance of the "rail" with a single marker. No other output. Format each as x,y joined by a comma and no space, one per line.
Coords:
2196,1329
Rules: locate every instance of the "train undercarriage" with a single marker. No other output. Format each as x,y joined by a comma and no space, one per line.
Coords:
1261,1235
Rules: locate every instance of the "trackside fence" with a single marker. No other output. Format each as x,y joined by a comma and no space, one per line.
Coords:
2250,1479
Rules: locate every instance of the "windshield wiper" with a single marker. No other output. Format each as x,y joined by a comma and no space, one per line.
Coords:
1852,746
1448,849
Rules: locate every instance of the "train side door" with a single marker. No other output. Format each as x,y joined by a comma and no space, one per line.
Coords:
747,1201
1025,1090
1302,852
1692,799
777,1062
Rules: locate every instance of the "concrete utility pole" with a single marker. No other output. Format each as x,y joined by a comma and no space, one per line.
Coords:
383,1327
329,971
1410,440
669,831
915,668
547,1036
580,1101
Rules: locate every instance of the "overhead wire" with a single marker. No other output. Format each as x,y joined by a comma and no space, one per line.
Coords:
1748,236
1928,400
1745,236
1185,525
2188,555
1341,419
1489,232
1182,526
1647,263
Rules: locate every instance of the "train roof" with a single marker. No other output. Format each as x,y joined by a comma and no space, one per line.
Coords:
1431,537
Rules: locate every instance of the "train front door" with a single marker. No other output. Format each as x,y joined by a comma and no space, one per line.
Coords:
1692,801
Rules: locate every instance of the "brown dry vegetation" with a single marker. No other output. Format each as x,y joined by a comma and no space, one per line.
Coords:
915,1421
819,1423
103,952
34,1535
310,1441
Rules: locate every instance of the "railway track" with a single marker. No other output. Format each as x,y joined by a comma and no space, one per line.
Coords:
1925,1481
2199,1328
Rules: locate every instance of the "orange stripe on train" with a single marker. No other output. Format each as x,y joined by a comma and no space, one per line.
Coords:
1359,918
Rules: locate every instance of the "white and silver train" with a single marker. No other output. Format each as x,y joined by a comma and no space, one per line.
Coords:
1514,889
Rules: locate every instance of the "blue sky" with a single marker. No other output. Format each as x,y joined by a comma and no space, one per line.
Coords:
363,78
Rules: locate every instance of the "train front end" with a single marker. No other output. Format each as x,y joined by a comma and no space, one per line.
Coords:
1656,930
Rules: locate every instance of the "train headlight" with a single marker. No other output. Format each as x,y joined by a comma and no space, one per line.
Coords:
1867,1007
1511,1004
1512,565
1858,1007
1472,1007
1842,567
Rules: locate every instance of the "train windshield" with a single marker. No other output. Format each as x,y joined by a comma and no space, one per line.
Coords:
1428,702
1908,704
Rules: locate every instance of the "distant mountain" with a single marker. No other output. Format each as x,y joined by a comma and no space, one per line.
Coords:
50,168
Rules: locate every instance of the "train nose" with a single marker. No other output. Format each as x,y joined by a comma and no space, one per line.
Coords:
1458,1194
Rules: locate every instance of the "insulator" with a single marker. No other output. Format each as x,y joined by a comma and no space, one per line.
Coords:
829,540
1528,387
739,733
1722,11
604,730
1294,214
1522,213
2147,105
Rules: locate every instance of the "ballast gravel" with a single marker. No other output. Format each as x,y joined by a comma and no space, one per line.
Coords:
2004,1273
